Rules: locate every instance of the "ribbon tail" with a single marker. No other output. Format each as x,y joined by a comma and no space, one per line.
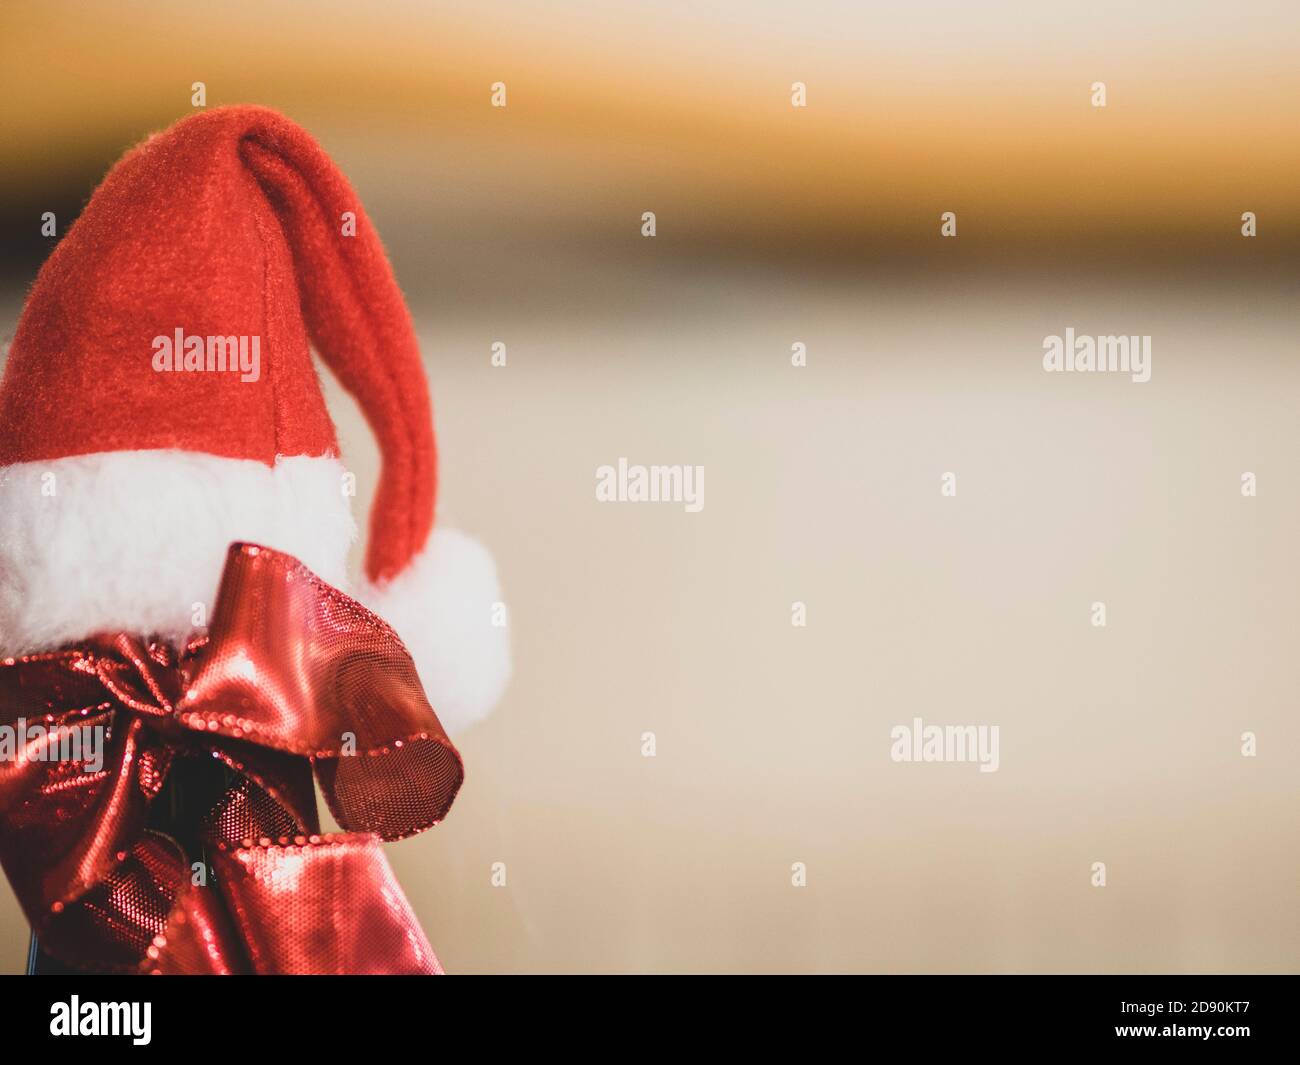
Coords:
322,905
198,939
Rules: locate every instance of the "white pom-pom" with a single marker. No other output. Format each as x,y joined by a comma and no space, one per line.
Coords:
446,608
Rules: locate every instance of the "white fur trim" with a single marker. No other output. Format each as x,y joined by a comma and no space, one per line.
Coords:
442,607
134,539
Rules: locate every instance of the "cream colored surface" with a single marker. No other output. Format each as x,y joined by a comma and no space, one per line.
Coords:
1118,744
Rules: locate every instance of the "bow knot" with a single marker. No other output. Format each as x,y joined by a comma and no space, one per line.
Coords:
293,676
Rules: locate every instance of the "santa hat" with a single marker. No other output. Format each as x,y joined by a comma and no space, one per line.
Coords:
160,402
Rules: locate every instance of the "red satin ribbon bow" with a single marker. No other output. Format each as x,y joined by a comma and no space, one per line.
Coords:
293,675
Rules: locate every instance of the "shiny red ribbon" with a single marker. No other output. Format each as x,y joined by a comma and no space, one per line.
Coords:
293,675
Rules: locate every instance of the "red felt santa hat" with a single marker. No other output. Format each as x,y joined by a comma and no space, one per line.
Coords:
160,402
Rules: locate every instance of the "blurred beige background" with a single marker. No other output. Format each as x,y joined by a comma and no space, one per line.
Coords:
778,225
